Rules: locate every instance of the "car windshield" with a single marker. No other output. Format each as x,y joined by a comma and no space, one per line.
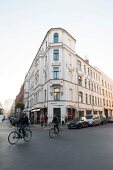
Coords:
89,117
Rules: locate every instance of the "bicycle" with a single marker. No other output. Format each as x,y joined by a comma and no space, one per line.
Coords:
15,135
54,131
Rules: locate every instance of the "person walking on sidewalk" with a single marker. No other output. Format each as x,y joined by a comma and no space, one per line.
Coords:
45,119
42,120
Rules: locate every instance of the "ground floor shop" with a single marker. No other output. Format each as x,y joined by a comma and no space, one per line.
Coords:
64,111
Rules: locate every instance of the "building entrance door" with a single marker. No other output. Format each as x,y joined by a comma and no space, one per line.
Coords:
57,112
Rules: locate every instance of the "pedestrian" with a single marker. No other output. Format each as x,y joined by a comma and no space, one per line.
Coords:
66,119
45,119
3,118
42,120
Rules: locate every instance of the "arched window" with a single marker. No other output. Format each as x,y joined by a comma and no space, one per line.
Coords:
56,93
56,38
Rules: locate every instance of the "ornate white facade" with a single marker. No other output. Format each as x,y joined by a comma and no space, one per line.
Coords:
61,82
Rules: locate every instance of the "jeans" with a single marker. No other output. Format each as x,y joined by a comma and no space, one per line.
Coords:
22,128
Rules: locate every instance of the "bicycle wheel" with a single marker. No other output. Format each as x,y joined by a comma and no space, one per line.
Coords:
28,135
13,137
51,133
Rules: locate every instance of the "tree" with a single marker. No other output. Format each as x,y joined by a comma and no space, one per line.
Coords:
19,105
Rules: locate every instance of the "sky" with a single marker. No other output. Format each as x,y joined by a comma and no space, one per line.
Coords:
24,24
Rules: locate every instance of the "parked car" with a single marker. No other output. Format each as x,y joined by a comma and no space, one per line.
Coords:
78,123
93,120
103,119
110,119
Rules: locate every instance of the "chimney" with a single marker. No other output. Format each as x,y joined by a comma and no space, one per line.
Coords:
86,60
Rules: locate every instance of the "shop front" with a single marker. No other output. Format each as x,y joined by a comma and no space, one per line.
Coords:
71,113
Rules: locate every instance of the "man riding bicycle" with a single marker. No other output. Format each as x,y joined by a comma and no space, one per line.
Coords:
55,121
23,122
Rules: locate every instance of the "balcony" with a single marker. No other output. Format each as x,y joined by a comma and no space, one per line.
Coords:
56,82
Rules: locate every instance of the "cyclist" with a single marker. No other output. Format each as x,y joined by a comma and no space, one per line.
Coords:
23,122
55,121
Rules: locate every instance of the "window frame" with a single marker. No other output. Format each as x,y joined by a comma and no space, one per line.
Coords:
56,54
56,37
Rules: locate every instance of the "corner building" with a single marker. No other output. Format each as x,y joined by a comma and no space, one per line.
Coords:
61,82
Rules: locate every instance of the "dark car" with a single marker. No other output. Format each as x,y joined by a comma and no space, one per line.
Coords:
103,119
78,123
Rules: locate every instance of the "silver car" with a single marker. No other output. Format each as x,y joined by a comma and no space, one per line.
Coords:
93,120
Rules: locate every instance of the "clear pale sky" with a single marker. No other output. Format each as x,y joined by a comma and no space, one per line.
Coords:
24,24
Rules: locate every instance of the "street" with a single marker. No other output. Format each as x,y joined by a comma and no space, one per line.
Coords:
80,149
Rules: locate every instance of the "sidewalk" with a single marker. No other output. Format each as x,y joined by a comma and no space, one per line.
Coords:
49,126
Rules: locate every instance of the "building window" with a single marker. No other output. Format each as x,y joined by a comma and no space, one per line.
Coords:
80,97
79,65
45,61
92,86
88,72
84,69
102,83
56,94
92,100
46,44
56,55
103,91
45,77
94,75
56,72
89,84
108,86
95,87
106,93
95,100
85,83
107,102
98,102
79,80
105,84
45,95
89,99
104,102
56,38
91,73
86,99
